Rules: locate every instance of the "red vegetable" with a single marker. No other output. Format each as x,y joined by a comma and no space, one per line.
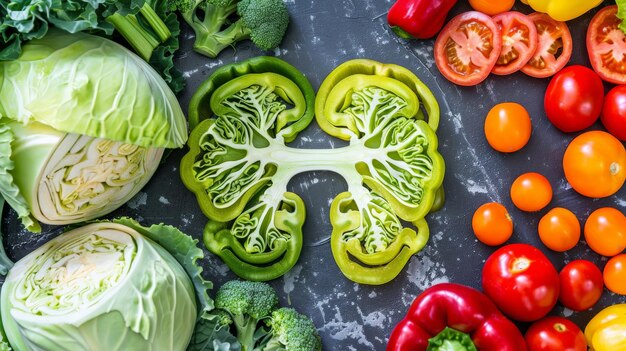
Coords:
468,48
456,314
555,333
418,19
606,46
519,41
554,47
574,98
521,281
581,285
614,112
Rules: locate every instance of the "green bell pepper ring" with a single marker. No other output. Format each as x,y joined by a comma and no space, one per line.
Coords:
261,266
430,111
200,105
370,268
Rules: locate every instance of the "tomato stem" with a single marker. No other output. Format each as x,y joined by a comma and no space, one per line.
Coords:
614,168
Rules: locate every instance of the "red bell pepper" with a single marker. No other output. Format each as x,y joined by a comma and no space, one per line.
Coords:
418,19
455,317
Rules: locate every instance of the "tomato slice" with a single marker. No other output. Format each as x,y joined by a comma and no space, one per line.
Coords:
554,49
519,42
606,45
467,48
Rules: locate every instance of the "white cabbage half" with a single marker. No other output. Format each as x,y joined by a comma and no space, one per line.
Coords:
66,178
101,287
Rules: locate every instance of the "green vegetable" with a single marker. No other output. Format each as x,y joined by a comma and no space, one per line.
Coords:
255,225
239,166
78,142
247,304
262,21
150,27
105,286
290,330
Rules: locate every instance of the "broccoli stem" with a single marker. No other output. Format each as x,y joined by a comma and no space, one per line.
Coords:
140,38
210,38
246,327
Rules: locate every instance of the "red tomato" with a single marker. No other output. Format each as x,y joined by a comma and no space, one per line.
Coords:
519,42
581,285
606,45
555,333
554,49
614,112
467,48
521,281
574,98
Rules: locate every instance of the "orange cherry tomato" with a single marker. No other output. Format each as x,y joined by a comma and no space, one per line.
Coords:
605,231
595,164
492,224
559,229
531,192
492,7
508,127
615,274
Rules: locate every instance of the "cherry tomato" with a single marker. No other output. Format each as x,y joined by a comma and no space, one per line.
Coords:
559,229
555,333
614,112
467,48
519,42
508,127
521,281
615,274
574,98
605,231
554,47
581,285
492,224
606,44
595,164
492,7
531,192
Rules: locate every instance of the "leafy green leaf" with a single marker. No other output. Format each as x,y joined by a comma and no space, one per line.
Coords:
8,190
210,335
621,13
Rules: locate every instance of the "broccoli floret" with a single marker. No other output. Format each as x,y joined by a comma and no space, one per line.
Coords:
227,22
290,331
247,303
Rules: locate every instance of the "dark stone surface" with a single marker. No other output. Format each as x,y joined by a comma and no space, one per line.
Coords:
322,35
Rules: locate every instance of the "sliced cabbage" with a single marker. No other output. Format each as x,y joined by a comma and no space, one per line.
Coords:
103,286
65,178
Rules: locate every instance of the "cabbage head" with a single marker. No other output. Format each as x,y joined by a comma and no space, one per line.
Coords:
101,287
83,125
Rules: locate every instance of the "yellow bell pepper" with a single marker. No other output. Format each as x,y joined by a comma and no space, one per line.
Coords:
607,330
563,10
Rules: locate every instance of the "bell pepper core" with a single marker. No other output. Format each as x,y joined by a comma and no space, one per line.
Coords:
418,19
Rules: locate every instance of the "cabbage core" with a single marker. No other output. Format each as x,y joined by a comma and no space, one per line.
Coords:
76,273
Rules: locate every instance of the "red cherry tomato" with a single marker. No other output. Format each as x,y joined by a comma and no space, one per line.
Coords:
467,48
614,112
574,98
519,42
554,48
521,281
555,333
581,285
606,44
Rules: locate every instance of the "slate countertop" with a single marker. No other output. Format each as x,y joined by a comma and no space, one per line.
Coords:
322,35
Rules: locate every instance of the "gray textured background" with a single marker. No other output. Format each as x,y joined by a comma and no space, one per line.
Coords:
322,35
